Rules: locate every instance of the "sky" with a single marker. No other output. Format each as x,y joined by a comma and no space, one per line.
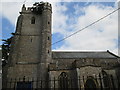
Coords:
68,17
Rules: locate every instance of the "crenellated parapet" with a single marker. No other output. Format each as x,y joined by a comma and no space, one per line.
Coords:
37,8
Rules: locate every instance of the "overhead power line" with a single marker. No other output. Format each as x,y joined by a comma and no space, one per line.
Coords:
86,27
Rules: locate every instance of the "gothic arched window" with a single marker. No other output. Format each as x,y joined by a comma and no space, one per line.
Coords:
105,79
63,81
90,84
33,20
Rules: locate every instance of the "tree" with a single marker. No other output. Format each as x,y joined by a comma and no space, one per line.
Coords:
5,50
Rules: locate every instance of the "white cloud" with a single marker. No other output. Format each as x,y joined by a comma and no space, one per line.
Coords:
91,38
58,18
10,11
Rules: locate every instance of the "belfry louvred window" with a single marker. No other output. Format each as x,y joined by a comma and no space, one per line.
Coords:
33,20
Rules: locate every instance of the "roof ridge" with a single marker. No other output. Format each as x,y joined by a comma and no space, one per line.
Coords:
84,54
80,51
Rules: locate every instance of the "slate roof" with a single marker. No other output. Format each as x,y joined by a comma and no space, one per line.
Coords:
72,55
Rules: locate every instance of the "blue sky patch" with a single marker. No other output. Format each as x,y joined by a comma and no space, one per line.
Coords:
7,28
55,38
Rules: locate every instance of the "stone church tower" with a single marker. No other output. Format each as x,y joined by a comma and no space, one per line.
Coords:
32,64
31,45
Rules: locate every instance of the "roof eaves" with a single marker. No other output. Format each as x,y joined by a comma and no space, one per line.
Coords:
113,54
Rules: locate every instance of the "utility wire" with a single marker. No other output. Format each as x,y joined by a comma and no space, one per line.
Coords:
86,27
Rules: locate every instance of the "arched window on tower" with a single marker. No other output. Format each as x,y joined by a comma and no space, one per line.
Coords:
63,81
33,20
